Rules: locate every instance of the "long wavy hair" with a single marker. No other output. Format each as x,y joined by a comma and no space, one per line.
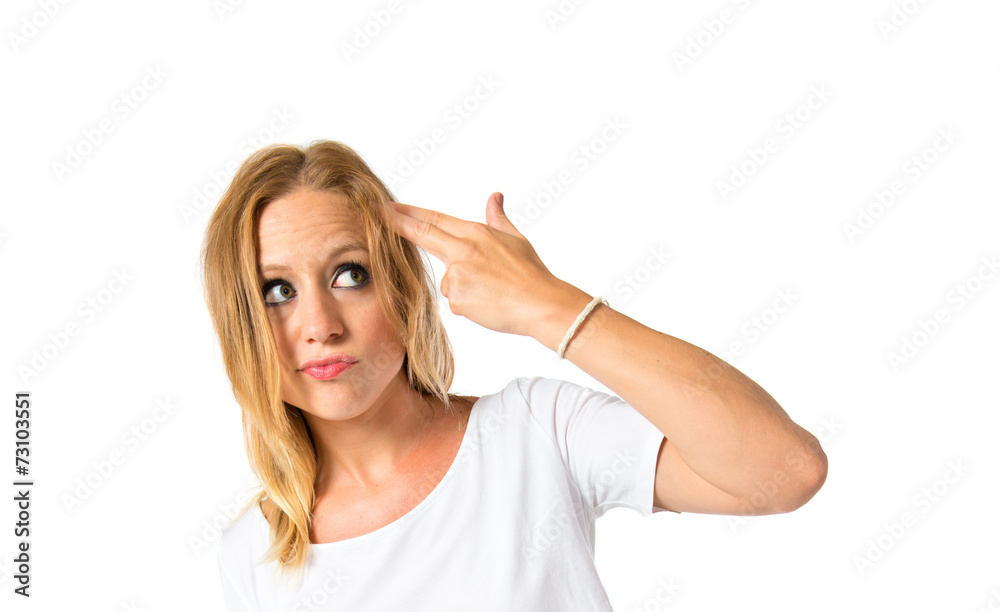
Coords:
278,442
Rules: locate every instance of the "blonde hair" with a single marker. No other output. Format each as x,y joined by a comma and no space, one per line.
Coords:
278,441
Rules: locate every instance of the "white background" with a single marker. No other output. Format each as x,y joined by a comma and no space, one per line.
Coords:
136,203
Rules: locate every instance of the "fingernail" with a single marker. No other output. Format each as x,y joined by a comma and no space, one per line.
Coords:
500,199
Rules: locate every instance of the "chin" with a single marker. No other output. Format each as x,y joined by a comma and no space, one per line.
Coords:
335,406
333,415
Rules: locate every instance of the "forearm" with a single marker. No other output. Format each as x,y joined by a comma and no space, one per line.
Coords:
726,428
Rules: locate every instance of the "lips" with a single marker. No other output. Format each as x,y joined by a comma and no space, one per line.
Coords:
328,367
328,371
329,359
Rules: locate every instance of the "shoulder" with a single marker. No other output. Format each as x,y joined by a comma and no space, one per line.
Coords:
536,401
535,391
531,385
563,409
542,394
526,388
546,404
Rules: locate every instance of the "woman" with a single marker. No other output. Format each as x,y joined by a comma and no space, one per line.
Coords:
383,491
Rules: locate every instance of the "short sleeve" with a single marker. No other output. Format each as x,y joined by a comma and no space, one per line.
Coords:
609,449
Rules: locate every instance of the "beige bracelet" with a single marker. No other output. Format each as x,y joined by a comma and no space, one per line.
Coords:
579,319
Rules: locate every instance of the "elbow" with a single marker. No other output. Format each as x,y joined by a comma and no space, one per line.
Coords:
798,473
812,477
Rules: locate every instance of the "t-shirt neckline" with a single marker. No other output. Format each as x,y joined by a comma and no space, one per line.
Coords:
409,516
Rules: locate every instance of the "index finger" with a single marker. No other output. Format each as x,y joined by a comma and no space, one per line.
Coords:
431,230
452,225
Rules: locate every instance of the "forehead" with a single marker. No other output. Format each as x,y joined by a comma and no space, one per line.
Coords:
301,209
305,220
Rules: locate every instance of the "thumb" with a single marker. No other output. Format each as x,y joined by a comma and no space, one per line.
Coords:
496,217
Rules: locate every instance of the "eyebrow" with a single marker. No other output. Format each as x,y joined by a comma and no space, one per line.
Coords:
343,248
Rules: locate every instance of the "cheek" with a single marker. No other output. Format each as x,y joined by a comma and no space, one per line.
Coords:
379,334
282,340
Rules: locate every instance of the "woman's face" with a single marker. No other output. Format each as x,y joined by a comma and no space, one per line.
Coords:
314,274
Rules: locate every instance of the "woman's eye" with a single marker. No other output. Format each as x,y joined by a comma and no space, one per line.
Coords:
278,292
355,274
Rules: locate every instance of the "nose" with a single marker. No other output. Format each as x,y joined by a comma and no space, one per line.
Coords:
320,315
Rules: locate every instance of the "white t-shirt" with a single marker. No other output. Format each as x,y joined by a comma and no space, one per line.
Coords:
510,526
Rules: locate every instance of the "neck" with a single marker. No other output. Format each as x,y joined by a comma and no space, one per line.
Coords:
367,450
